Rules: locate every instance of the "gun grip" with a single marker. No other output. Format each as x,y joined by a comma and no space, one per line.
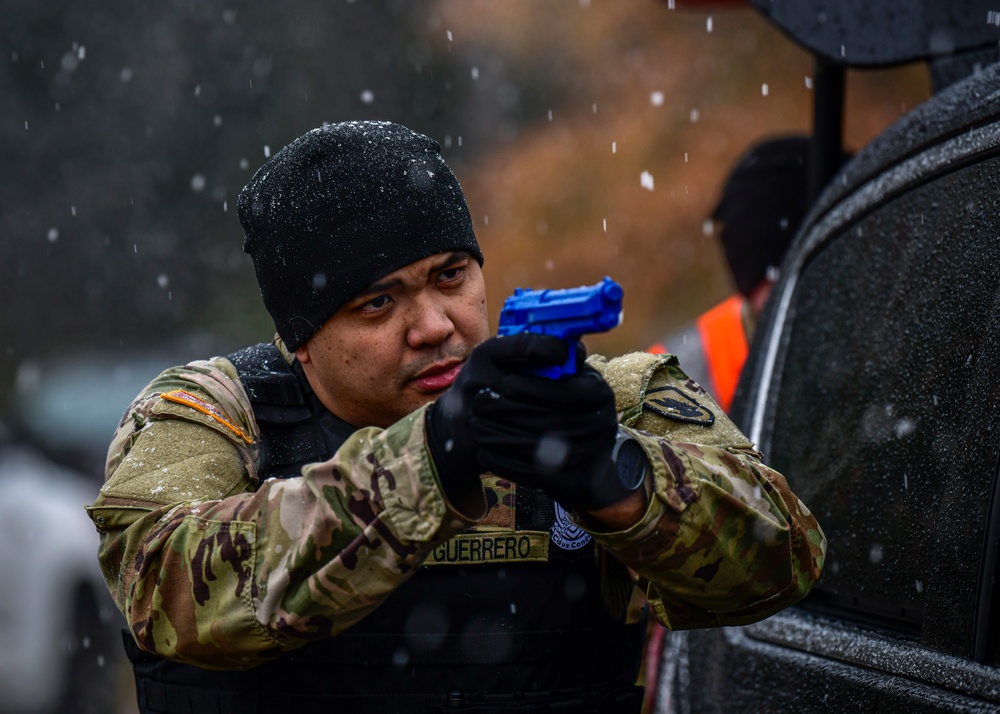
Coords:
557,371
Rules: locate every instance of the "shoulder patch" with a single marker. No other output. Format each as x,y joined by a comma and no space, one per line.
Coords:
672,403
179,396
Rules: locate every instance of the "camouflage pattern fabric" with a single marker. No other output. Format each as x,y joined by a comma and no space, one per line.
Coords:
725,542
213,567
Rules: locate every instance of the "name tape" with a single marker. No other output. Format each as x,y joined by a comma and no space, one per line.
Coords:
465,548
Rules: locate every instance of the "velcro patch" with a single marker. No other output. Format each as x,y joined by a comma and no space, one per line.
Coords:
501,504
179,396
672,403
496,547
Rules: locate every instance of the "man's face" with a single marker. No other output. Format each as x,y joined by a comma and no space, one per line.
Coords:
399,343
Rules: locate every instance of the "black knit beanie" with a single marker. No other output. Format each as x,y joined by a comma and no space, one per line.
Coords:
763,202
341,207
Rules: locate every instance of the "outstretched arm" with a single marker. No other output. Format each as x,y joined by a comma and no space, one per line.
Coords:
212,568
722,539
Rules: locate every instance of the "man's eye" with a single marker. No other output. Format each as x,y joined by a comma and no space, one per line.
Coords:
376,303
450,273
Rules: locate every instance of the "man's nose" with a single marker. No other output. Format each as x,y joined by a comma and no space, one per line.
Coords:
430,324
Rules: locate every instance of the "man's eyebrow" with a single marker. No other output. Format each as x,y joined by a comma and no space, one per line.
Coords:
458,256
378,286
384,284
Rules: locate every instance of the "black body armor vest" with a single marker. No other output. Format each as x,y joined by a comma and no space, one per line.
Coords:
492,638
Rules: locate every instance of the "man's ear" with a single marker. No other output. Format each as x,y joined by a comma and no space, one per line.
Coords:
302,353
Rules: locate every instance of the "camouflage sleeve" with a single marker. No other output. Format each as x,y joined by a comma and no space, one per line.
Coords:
212,568
724,541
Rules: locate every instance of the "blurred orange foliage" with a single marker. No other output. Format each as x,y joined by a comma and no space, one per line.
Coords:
619,176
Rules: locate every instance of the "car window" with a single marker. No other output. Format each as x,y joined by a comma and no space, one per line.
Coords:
885,416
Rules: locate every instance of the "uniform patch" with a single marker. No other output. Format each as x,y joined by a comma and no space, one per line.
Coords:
501,504
565,533
497,547
672,403
179,396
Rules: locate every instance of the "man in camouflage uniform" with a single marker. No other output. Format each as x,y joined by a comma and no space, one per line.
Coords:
374,512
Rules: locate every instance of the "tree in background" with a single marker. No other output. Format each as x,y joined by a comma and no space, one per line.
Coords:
590,136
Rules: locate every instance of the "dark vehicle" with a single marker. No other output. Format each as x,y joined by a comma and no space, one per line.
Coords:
873,383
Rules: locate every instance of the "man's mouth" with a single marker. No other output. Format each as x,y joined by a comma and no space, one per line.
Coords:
438,377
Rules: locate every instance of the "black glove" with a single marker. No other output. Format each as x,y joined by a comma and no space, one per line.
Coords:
552,434
448,419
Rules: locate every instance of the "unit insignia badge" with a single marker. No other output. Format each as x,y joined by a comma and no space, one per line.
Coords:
672,403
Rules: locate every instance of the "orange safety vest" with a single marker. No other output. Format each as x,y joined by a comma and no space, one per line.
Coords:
722,342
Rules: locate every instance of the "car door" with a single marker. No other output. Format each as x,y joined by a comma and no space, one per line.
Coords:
873,384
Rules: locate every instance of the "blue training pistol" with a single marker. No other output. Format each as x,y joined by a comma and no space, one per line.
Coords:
566,314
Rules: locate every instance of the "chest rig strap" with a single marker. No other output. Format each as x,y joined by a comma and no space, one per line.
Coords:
290,436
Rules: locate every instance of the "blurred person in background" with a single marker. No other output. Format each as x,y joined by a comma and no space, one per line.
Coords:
385,510
763,203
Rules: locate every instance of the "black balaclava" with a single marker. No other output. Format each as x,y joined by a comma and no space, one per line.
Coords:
341,207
